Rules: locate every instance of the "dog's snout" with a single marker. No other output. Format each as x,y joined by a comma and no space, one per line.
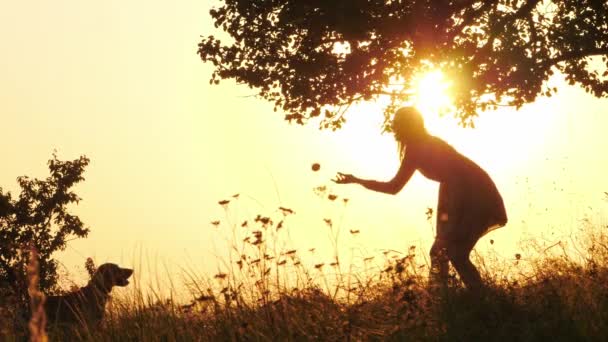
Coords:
126,272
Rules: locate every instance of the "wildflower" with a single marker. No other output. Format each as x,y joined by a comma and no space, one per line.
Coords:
89,265
264,220
280,225
286,211
291,251
320,190
316,167
235,196
345,200
429,213
368,258
491,241
354,231
334,264
223,202
220,276
517,256
318,266
328,222
399,267
204,298
244,224
332,197
311,250
215,223
282,262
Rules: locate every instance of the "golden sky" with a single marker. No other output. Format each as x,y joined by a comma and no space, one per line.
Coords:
120,82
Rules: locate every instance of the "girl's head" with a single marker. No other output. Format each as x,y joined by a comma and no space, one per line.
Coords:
408,125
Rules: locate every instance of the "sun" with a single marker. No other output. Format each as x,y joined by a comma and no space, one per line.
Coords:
431,95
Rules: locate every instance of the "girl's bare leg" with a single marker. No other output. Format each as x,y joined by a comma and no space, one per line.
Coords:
459,256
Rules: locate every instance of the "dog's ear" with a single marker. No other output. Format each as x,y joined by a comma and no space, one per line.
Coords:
109,273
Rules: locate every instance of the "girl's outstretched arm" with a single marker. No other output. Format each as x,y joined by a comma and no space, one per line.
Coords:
406,170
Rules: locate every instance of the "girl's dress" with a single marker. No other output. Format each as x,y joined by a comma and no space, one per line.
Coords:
469,203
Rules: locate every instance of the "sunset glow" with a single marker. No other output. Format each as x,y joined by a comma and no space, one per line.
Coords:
432,92
153,186
431,96
166,146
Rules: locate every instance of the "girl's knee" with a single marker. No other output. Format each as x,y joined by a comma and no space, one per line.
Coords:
458,255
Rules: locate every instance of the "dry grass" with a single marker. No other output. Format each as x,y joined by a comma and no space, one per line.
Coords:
267,293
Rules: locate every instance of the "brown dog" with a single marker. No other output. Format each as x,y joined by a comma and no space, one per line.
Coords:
85,307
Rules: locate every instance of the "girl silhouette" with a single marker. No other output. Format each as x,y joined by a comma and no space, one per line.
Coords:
469,204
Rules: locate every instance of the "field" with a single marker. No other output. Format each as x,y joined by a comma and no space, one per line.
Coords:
558,293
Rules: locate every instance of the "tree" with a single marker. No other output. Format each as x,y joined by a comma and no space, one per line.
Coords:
39,217
318,56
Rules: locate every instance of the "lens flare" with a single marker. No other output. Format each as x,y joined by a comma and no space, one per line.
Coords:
432,95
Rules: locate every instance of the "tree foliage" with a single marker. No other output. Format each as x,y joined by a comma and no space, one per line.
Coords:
39,216
309,56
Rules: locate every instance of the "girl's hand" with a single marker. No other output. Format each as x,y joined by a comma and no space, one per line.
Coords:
345,178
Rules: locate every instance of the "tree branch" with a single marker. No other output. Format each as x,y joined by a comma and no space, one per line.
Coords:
578,55
467,21
524,10
533,33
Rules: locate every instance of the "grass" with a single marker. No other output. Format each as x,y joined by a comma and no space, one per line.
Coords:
269,292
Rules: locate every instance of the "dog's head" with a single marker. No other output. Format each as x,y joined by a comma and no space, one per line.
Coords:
109,275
